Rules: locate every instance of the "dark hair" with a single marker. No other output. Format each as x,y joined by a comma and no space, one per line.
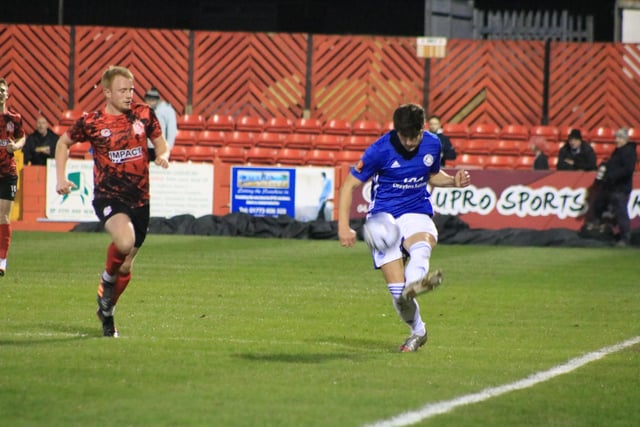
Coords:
408,120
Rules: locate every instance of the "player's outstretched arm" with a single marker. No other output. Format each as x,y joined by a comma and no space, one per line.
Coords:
443,179
346,234
162,152
63,185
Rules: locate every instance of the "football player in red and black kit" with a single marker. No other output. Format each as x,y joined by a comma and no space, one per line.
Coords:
11,139
118,135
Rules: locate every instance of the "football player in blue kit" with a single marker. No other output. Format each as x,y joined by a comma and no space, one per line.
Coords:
400,164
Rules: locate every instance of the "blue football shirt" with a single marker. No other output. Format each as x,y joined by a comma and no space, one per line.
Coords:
399,177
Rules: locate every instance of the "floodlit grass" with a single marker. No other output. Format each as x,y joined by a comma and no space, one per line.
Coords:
267,332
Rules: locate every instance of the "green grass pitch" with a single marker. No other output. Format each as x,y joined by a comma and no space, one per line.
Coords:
271,332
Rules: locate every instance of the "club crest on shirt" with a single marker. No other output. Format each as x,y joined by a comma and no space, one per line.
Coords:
138,127
428,160
10,127
105,133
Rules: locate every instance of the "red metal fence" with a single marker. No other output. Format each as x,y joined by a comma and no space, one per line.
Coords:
51,68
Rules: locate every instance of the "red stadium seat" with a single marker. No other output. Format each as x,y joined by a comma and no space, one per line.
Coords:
328,142
278,124
456,130
270,140
525,162
213,138
509,146
290,156
240,139
501,162
221,122
178,153
470,161
320,158
484,131
261,155
234,155
303,141
357,142
633,134
602,134
191,122
337,127
549,132
517,132
200,153
313,126
59,129
367,128
69,117
185,137
249,124
476,146
603,150
348,157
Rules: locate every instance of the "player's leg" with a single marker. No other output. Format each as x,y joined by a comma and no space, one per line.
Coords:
8,189
124,276
5,233
619,202
392,267
422,239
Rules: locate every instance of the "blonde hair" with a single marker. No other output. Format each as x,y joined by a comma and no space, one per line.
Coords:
113,71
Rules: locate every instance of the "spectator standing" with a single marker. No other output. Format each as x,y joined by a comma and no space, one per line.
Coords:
325,193
576,154
538,145
448,150
11,140
40,145
614,183
166,116
118,135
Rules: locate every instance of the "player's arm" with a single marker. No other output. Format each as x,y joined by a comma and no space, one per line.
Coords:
443,179
346,234
63,185
162,151
16,145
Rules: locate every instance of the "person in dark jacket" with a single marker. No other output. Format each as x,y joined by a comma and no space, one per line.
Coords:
577,154
448,151
614,182
40,145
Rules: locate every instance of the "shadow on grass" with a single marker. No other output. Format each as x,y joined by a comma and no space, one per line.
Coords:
50,333
310,358
361,349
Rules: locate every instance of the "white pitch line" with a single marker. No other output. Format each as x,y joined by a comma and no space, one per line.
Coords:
443,407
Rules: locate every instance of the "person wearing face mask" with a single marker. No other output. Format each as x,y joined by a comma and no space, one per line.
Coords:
576,154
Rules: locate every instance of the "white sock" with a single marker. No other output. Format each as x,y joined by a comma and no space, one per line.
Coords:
418,265
408,310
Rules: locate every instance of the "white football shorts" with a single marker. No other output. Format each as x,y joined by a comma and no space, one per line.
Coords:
409,224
